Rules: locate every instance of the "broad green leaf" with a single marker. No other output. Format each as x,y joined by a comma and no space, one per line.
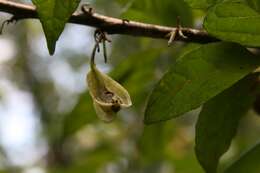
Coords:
218,121
249,162
196,77
201,4
159,12
235,22
53,15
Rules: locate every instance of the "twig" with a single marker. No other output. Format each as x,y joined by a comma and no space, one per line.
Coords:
111,25
178,30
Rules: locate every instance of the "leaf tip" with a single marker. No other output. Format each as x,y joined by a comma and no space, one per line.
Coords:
51,48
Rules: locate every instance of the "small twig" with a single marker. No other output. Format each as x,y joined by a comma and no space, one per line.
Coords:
125,21
87,9
177,31
179,28
172,36
104,50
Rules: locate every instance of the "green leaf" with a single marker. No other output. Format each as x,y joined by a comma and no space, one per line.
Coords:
196,77
218,121
53,15
159,12
249,162
201,4
235,22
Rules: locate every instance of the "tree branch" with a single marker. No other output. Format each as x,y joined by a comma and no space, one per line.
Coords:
112,25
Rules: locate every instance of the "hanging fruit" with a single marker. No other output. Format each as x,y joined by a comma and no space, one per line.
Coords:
107,94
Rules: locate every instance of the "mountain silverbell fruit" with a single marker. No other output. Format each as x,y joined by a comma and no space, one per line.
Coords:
108,95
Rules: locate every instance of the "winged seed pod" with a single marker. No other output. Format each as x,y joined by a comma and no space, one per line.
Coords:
108,95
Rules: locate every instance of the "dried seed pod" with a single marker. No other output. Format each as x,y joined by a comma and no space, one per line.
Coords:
108,95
